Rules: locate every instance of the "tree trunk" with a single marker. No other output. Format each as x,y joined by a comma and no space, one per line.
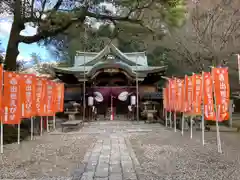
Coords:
12,48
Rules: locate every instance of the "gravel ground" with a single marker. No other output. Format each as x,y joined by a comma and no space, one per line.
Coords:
45,157
164,154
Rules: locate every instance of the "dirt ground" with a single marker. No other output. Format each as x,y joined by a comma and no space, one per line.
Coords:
161,153
49,155
168,155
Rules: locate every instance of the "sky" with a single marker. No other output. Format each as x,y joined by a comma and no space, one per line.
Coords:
25,49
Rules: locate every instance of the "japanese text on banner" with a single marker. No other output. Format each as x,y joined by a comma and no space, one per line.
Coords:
59,98
209,113
188,94
62,98
180,86
28,98
173,94
197,94
11,98
40,93
49,98
221,89
167,98
170,101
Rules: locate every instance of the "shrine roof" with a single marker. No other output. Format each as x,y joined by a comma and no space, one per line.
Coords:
91,58
80,69
110,57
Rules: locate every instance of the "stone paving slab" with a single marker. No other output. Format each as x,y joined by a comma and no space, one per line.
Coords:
110,159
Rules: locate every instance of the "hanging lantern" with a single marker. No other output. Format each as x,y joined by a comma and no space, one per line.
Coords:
98,96
133,100
90,101
123,96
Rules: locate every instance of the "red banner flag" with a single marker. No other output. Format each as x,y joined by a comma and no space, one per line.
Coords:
1,88
172,86
222,91
169,96
40,96
49,98
180,89
188,93
28,95
209,113
11,98
197,94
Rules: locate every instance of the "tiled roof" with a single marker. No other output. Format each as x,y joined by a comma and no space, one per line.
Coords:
92,58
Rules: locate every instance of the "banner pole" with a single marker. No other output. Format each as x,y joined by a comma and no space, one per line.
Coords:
166,117
1,136
54,121
170,118
183,103
183,121
191,127
175,109
203,125
164,110
175,121
218,132
19,132
47,124
217,117
192,107
19,125
31,128
41,125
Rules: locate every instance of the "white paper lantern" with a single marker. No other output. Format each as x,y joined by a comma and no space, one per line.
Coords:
98,96
123,96
133,100
90,101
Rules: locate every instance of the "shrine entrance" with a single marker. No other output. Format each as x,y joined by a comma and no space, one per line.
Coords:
111,90
112,100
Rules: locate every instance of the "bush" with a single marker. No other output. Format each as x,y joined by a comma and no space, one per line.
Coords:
10,133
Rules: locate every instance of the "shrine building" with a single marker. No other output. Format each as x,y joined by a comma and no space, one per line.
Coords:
110,78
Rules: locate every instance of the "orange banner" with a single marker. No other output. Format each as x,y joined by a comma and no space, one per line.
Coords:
28,95
49,98
62,98
40,96
197,94
11,98
170,103
222,91
188,94
56,102
209,113
180,90
59,97
173,87
1,88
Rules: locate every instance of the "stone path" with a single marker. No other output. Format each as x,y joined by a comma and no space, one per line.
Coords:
111,157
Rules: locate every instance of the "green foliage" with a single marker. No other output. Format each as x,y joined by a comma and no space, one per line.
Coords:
11,133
